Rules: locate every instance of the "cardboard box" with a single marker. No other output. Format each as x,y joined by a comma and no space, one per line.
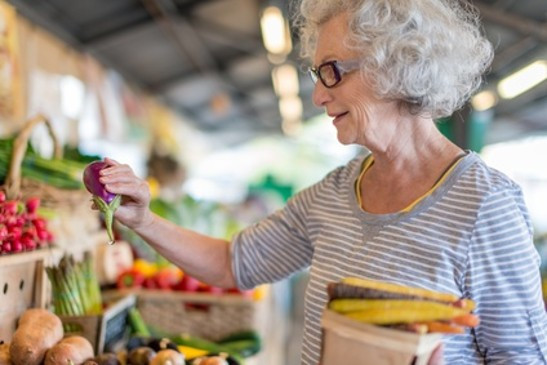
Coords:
349,342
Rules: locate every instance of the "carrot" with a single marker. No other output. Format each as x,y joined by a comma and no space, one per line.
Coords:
401,289
397,315
379,311
466,304
442,327
466,320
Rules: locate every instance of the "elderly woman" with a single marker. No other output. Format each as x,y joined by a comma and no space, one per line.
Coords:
417,210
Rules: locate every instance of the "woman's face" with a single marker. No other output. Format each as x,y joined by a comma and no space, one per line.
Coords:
357,114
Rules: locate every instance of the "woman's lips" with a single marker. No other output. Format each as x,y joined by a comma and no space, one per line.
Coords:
338,117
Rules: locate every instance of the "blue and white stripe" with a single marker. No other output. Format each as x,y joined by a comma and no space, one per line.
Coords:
471,237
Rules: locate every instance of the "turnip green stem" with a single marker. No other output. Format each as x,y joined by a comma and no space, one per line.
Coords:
108,213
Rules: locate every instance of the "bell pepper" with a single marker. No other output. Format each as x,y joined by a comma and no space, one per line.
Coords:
167,277
146,268
131,278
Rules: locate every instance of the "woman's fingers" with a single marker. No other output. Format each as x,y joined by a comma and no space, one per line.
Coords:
136,190
116,169
118,177
110,161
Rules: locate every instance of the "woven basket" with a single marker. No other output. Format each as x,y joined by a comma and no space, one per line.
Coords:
201,314
74,217
18,187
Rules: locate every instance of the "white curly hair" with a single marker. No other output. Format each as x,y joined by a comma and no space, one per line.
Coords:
429,54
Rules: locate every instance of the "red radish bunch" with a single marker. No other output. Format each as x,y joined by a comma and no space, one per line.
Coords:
21,229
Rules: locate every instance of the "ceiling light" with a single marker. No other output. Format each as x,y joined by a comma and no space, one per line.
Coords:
285,80
291,127
290,108
484,100
523,80
275,31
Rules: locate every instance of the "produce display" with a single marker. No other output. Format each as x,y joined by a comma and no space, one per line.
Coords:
37,332
402,307
60,173
164,276
75,349
41,340
21,227
105,201
186,349
51,337
75,289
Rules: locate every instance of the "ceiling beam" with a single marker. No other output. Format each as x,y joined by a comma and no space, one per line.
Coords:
520,24
185,7
164,18
172,80
119,25
192,46
512,53
249,43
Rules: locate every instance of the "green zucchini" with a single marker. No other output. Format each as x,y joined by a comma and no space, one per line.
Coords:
241,335
244,348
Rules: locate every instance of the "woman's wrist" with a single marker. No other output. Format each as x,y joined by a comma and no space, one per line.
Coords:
146,223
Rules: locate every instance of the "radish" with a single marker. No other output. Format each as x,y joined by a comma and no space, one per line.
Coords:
104,200
6,247
32,204
10,207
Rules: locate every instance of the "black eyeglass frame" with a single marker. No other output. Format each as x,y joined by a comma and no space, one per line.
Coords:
338,69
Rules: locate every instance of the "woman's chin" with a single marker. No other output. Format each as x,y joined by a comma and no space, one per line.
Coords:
344,136
345,140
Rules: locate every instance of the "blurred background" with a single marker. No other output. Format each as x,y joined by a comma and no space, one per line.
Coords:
209,101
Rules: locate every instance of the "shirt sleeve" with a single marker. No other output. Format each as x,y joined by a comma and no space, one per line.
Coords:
275,247
503,278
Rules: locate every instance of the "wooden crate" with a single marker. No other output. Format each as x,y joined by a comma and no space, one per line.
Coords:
106,332
349,342
23,285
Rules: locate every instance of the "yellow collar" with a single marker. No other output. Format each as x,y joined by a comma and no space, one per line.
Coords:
369,161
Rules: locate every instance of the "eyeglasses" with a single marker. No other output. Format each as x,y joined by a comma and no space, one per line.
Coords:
330,73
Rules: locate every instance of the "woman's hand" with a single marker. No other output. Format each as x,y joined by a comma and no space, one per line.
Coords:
437,356
120,179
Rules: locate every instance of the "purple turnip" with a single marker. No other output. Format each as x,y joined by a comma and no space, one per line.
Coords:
104,200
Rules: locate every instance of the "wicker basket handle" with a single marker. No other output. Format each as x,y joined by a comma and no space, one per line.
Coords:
13,178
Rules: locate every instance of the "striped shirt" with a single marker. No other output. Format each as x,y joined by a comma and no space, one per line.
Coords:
471,237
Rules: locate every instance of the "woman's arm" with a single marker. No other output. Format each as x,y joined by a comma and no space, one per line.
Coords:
205,258
503,278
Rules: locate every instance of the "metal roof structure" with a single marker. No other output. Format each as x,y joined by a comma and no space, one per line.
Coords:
206,58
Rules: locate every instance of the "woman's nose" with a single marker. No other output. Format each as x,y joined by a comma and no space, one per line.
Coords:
320,95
